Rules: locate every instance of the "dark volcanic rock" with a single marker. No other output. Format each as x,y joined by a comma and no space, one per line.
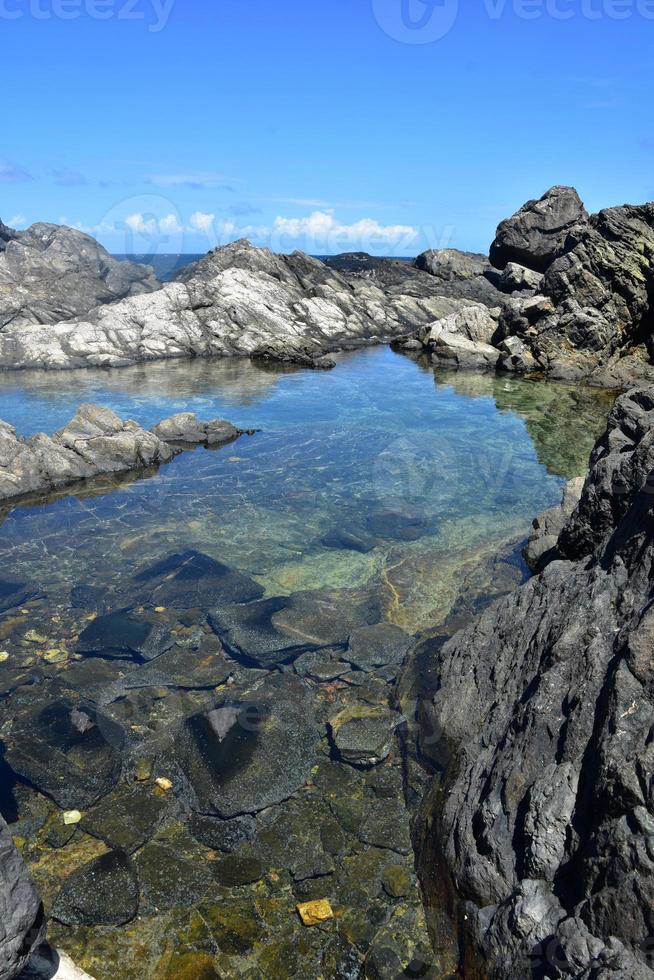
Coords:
168,880
278,630
119,635
377,646
191,580
66,749
50,273
126,819
543,720
104,892
536,234
222,835
22,923
246,755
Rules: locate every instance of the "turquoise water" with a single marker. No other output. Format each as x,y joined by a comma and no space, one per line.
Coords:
430,470
376,493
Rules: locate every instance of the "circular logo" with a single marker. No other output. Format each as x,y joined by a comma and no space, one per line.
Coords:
416,21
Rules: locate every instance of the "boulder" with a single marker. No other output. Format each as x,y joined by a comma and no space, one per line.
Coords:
96,441
22,922
187,428
50,273
518,279
104,892
537,233
243,756
66,748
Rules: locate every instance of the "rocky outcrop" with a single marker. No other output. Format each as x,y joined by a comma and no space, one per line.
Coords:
542,725
537,233
22,922
292,354
50,273
460,340
591,316
243,300
97,441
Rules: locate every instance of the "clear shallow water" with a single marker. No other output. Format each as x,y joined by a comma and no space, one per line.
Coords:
430,476
336,450
468,459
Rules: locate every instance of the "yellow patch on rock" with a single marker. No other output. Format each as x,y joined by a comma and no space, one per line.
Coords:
315,913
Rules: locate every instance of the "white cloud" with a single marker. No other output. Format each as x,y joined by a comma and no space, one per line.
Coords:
196,182
201,221
322,228
141,225
170,225
18,221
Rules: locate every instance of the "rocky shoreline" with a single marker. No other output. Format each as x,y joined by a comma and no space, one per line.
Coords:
540,727
97,442
564,293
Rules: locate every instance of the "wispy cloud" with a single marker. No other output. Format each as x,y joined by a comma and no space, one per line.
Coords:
18,221
195,182
12,173
242,210
68,178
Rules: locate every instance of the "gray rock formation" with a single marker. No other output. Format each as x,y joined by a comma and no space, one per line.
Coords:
460,340
591,315
241,300
542,722
50,273
94,442
536,234
22,923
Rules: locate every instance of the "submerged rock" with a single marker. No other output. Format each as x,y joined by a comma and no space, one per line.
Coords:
67,749
377,646
222,835
190,580
169,881
243,756
22,922
119,635
125,819
363,735
277,631
104,892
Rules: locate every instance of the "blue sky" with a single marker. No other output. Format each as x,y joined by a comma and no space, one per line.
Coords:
327,125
